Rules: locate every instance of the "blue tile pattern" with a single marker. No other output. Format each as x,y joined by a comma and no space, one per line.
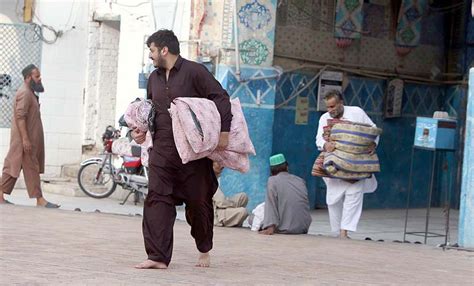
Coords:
260,118
254,15
256,30
292,82
418,100
273,130
297,141
466,215
453,101
248,90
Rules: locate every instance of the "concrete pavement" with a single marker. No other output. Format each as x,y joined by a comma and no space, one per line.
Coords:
56,247
380,224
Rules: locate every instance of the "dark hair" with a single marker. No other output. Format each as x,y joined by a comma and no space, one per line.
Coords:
333,94
164,38
28,70
274,170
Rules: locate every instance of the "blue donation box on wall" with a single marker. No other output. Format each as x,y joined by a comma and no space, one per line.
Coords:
435,133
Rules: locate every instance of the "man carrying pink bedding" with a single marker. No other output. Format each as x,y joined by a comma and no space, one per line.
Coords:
171,182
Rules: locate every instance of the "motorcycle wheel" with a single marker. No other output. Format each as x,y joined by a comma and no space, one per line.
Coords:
95,182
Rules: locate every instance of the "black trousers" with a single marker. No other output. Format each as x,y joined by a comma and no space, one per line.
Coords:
193,184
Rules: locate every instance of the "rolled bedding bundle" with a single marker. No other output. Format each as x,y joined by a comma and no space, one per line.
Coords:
351,159
318,170
356,134
357,163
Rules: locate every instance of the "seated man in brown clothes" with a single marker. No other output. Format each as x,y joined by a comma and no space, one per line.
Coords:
228,211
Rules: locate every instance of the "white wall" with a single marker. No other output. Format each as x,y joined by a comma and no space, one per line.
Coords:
4,144
8,11
133,35
72,77
8,16
63,72
101,91
136,25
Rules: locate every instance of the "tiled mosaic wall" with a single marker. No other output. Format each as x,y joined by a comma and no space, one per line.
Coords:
256,29
297,141
257,98
305,30
274,130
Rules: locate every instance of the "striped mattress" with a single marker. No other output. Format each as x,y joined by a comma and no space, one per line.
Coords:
351,159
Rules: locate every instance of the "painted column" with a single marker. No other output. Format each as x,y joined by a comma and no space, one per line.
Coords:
466,215
258,102
256,36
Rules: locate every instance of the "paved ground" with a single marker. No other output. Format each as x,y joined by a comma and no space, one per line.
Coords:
43,247
384,224
40,246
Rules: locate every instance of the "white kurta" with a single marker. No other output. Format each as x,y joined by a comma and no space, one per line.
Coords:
258,216
344,199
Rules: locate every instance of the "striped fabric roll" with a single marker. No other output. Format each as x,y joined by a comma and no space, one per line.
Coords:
351,159
354,133
318,170
350,147
358,163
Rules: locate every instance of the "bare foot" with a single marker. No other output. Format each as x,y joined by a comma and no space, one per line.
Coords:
343,234
204,260
268,231
150,264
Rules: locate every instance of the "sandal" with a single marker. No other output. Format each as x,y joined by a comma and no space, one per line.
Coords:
49,205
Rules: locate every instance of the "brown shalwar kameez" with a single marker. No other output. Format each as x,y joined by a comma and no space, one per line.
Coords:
171,182
26,107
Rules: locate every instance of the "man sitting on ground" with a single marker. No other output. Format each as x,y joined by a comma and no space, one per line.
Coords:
228,211
286,201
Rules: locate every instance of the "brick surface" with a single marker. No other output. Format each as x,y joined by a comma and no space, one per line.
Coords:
40,246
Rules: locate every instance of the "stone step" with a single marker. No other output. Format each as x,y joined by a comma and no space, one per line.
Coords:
62,186
56,180
67,186
70,171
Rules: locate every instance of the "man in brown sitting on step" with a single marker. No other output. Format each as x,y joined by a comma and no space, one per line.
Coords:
228,211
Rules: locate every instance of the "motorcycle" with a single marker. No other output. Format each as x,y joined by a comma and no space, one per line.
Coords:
98,177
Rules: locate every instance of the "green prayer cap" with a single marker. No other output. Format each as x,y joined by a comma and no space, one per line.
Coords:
277,159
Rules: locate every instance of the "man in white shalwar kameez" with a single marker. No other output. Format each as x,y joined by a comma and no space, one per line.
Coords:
344,198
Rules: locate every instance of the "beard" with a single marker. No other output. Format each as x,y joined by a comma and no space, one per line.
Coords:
337,113
36,87
160,62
